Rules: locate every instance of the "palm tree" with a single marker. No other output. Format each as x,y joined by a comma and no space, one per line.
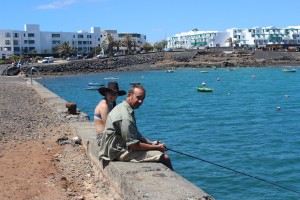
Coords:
160,45
134,46
118,43
97,50
229,40
34,51
108,44
64,49
147,46
235,42
232,42
128,43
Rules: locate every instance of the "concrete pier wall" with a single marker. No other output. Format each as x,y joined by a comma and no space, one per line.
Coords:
131,180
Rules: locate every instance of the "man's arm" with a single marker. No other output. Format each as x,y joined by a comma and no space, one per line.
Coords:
140,146
145,140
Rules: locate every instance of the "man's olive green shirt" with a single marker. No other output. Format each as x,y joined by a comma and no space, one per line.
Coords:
120,132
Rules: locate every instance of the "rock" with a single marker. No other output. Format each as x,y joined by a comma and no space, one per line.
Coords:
72,108
11,71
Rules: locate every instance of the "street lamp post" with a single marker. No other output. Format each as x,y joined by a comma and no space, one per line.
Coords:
5,51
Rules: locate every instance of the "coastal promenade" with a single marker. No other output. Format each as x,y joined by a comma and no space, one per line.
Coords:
36,165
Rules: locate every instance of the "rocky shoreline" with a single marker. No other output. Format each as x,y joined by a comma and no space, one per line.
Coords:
167,60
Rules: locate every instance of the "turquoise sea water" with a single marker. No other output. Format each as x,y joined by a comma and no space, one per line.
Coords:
237,126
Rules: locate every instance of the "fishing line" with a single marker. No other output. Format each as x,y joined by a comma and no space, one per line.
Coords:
236,171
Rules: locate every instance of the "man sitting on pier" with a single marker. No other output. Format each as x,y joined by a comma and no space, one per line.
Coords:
121,139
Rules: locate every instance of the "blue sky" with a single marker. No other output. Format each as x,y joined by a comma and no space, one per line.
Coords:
156,19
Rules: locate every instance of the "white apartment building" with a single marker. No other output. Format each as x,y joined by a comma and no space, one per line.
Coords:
15,42
196,39
241,37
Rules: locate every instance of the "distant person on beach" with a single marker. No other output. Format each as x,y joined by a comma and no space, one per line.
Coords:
121,139
101,111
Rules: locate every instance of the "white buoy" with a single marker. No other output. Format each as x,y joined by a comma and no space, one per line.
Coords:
203,84
278,108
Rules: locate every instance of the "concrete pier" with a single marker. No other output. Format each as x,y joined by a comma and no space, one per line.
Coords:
131,180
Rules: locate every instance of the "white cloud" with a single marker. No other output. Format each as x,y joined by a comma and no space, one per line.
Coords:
56,4
63,3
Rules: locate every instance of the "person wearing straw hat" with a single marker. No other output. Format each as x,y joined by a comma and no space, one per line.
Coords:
110,93
122,140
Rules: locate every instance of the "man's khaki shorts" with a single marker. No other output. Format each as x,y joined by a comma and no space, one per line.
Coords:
140,156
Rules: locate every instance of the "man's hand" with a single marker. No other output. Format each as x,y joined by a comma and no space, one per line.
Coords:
155,142
161,147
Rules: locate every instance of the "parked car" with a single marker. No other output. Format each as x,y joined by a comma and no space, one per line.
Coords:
88,56
72,58
118,54
102,56
47,59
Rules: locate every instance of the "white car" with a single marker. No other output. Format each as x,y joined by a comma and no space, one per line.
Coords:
71,58
102,56
48,59
118,54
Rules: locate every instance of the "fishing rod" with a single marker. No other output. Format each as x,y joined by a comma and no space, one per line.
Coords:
236,171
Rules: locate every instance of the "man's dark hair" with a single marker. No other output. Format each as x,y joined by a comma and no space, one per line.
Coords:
133,86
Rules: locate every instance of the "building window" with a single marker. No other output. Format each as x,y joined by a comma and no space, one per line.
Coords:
16,35
55,42
7,35
5,48
16,42
89,36
80,36
55,35
16,48
30,41
7,42
25,41
30,34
